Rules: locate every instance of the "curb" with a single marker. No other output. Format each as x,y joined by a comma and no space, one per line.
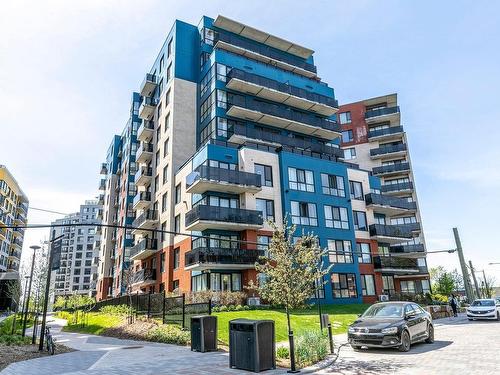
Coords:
327,362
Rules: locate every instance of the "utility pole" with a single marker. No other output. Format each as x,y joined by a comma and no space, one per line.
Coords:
478,292
486,286
465,274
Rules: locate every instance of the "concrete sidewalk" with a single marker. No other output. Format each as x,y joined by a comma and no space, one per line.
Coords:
107,355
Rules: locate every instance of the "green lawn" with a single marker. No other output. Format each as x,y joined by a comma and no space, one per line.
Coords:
6,324
302,320
95,324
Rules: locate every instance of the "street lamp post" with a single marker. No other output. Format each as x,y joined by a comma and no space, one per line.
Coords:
35,248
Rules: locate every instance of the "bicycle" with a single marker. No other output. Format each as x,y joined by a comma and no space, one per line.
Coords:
50,344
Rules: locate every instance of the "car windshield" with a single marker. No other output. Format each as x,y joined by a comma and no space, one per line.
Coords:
483,303
384,311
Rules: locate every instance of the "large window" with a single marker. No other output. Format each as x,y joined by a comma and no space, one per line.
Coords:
301,179
332,185
345,117
364,254
388,284
356,189
266,174
177,224
304,213
368,285
263,244
407,286
360,220
177,257
266,206
349,153
336,217
178,194
344,285
347,136
339,251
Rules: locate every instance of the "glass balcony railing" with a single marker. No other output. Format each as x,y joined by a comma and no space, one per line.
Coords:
148,83
147,215
391,168
381,112
398,264
204,172
143,196
388,149
408,248
144,275
145,147
220,255
399,231
223,214
387,131
384,200
400,186
144,172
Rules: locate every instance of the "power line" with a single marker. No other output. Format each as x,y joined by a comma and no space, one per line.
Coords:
49,211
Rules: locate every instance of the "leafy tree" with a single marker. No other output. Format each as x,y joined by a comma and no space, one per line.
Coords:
444,282
487,286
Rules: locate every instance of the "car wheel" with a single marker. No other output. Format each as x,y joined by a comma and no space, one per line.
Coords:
470,318
430,334
498,316
405,342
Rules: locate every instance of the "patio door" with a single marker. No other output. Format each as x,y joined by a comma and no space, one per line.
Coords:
225,282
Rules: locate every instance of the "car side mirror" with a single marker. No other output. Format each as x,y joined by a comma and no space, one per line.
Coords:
409,316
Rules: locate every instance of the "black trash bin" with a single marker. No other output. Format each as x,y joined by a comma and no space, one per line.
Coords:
252,345
203,333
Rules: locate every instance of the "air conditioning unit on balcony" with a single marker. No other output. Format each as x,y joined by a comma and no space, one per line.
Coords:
383,298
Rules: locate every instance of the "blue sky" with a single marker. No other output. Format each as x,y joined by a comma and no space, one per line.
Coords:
67,69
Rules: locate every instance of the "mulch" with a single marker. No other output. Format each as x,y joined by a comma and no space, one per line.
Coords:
18,353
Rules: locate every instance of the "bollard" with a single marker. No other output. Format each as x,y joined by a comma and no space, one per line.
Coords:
330,337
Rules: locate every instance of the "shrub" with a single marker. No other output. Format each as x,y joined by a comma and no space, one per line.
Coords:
215,309
64,315
116,309
282,352
245,307
218,298
311,347
169,334
223,308
14,340
231,308
238,308
440,298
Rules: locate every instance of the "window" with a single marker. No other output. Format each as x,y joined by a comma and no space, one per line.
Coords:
359,220
263,244
356,189
167,98
165,148
339,251
266,174
344,285
175,285
367,285
332,185
345,117
162,262
165,174
169,72
364,254
169,47
388,284
164,202
235,282
177,257
426,286
199,282
349,153
347,136
177,224
266,206
407,286
304,213
336,217
178,194
301,179
163,228
167,120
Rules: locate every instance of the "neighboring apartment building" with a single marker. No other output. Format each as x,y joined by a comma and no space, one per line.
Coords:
373,138
13,211
237,129
76,274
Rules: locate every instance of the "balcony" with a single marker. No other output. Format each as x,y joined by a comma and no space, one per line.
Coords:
15,254
144,249
205,258
382,114
142,200
22,208
392,169
17,243
269,89
99,214
146,221
144,153
398,265
393,234
203,217
414,250
102,184
100,199
148,86
18,232
205,178
264,54
147,108
398,188
144,276
104,168
143,176
145,131
390,133
242,134
397,150
281,117
387,205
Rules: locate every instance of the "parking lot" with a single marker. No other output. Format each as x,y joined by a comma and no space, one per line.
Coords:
460,347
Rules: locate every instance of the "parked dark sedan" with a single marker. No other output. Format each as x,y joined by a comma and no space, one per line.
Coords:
391,324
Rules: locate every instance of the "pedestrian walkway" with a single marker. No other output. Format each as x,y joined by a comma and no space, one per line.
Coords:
107,355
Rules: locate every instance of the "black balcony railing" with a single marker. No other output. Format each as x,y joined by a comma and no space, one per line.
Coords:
384,200
391,168
240,129
388,149
144,171
398,231
102,184
398,264
143,245
15,253
282,87
149,101
150,78
204,172
264,50
381,112
225,214
145,216
142,196
145,147
144,275
387,131
400,186
222,256
146,124
282,111
408,248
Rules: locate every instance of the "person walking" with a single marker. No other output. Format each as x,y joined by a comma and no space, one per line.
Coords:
454,304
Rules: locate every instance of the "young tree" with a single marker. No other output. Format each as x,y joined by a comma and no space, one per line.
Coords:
487,286
293,270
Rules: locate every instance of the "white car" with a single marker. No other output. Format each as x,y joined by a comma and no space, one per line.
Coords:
487,308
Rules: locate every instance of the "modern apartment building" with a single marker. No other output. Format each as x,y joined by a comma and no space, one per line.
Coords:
78,271
13,211
373,138
237,128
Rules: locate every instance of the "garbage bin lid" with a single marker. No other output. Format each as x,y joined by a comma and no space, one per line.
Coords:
250,321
